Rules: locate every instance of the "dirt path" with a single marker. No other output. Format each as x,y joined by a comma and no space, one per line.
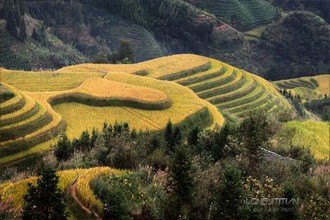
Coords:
73,192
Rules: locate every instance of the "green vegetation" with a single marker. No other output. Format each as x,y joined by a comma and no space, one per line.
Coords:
244,14
45,200
191,181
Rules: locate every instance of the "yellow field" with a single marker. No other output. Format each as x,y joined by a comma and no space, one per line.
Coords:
45,81
155,68
184,102
14,191
309,134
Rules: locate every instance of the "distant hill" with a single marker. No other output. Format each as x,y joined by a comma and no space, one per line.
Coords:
53,34
241,14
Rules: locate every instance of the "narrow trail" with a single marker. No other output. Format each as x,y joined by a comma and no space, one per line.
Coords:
73,192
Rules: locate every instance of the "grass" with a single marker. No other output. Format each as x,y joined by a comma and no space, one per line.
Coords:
14,191
308,134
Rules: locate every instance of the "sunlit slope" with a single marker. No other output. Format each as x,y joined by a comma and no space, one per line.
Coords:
178,104
24,123
225,86
75,101
15,191
309,134
308,88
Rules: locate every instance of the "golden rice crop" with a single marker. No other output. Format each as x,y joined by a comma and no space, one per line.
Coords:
309,134
18,96
100,87
45,81
155,68
84,191
324,83
29,104
31,151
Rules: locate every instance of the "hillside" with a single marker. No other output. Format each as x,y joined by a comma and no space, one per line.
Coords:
73,182
95,28
242,15
308,88
225,86
102,92
308,134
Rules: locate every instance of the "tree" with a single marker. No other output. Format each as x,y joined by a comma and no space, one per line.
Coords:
169,136
22,31
45,200
193,136
11,24
289,210
125,52
255,133
63,149
183,181
177,136
229,197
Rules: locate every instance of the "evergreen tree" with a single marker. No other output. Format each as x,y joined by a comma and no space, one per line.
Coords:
93,138
45,200
63,149
193,136
22,31
11,24
255,132
183,181
84,141
177,136
221,139
289,210
228,203
169,136
125,51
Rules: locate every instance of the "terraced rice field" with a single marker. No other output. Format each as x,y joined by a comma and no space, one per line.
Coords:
308,88
309,134
226,87
44,104
146,95
14,191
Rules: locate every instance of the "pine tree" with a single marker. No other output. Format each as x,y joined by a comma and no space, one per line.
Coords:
193,136
11,24
45,200
183,182
255,133
289,210
63,149
169,136
228,203
22,31
177,136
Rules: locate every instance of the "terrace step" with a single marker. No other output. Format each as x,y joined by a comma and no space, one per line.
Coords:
30,108
27,126
227,77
